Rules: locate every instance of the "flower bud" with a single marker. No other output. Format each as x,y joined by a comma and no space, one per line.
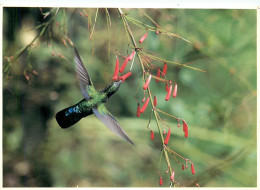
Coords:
155,101
179,124
145,105
192,169
152,135
164,69
143,38
167,137
122,68
175,91
125,76
115,77
166,87
169,93
185,129
161,181
183,167
131,56
172,176
147,82
138,110
167,171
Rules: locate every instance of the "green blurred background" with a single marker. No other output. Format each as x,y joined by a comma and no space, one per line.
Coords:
219,105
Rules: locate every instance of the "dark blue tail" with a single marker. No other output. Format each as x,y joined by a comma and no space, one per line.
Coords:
71,115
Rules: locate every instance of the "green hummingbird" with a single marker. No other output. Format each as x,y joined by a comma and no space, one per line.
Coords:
93,102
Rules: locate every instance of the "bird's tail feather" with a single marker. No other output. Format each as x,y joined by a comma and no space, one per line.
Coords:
69,116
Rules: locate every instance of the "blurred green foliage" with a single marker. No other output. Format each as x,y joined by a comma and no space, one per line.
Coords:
219,105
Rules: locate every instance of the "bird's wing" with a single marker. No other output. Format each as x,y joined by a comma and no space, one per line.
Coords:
82,75
103,115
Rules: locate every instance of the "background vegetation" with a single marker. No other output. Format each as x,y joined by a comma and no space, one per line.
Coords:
219,105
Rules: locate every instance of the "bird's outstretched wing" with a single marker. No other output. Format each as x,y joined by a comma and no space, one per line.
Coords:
82,75
103,115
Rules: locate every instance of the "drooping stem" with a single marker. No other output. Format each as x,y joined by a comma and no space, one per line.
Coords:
148,89
25,48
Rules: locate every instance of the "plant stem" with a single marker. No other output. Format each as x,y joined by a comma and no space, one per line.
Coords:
149,92
45,26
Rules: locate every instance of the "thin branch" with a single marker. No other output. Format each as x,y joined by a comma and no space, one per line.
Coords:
149,92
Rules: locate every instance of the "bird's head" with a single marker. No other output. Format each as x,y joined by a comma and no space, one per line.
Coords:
112,88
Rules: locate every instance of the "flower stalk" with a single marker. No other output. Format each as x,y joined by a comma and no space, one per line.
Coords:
131,37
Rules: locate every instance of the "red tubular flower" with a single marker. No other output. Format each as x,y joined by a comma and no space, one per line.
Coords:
143,38
167,137
169,93
166,87
131,56
185,129
147,82
157,32
172,176
122,68
152,135
125,76
160,182
115,77
145,105
138,110
158,75
155,101
164,69
186,133
183,167
192,169
175,91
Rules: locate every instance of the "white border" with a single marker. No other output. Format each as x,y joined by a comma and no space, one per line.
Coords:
187,4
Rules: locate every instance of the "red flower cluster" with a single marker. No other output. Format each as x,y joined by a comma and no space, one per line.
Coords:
116,77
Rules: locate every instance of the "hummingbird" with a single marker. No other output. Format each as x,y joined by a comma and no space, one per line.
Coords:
92,103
